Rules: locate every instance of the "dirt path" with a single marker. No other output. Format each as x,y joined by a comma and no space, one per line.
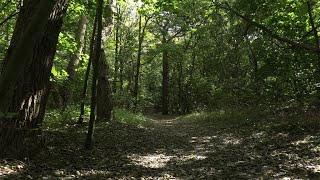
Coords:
173,148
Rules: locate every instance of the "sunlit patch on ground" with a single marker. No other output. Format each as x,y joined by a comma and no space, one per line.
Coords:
280,154
151,160
8,167
161,160
202,140
259,135
92,172
192,157
314,168
229,140
169,148
306,140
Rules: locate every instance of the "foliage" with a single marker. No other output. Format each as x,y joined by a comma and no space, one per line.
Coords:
229,116
127,117
56,119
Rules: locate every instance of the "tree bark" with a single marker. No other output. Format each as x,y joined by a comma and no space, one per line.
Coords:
165,78
88,143
104,92
138,66
29,87
121,68
116,54
85,86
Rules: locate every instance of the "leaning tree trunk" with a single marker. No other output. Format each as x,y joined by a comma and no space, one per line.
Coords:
29,94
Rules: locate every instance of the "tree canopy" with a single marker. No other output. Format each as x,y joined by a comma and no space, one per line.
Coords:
108,62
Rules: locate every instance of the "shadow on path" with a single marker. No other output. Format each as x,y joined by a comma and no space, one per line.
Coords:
170,147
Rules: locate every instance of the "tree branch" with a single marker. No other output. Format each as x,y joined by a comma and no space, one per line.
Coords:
5,5
268,31
9,17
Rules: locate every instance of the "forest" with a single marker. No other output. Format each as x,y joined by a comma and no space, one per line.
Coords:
159,89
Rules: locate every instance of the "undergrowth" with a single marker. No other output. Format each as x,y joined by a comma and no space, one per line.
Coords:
57,119
127,117
227,116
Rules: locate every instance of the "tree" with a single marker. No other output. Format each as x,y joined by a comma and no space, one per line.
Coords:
87,74
74,60
27,97
141,35
104,92
89,139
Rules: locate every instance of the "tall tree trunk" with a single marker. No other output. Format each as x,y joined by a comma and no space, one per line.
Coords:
188,97
88,143
254,61
180,88
136,77
85,86
104,92
317,44
116,53
29,90
138,66
165,78
121,68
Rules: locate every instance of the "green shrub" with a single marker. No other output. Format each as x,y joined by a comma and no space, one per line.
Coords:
128,117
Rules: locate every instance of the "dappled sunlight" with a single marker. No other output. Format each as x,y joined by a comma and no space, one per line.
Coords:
85,173
180,149
230,140
192,157
259,135
283,154
162,160
158,161
9,167
211,141
315,168
204,139
306,140
151,160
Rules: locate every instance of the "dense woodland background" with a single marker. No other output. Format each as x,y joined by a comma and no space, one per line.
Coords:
82,62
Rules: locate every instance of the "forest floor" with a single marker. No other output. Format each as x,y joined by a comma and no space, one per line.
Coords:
170,147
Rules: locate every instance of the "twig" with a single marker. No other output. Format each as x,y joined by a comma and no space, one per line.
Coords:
8,18
5,5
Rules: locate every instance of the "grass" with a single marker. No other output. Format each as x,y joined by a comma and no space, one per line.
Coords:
127,117
227,116
57,119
